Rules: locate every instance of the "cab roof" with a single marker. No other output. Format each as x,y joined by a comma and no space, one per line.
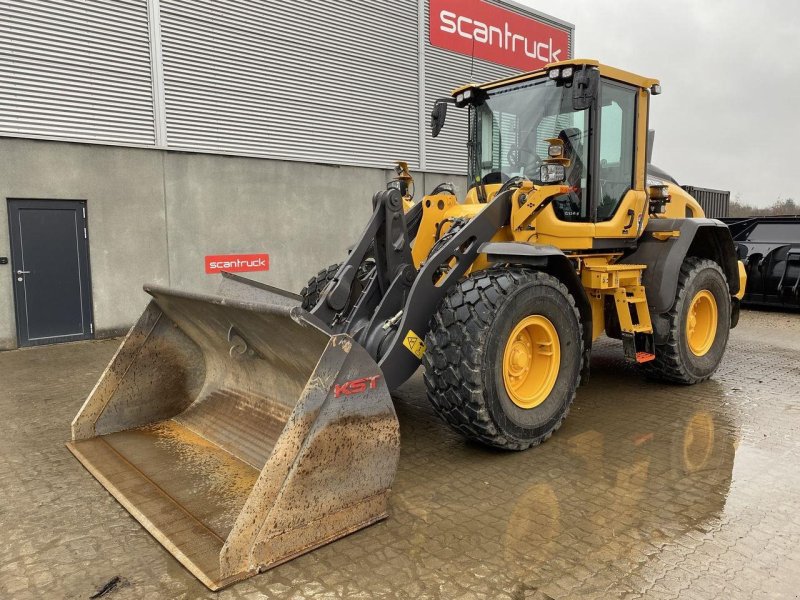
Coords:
605,71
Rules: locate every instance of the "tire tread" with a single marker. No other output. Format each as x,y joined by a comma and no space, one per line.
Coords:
455,346
315,285
668,365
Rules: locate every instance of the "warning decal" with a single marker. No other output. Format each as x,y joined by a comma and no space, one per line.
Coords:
415,344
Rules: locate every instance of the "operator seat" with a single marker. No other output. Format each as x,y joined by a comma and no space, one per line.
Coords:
573,149
568,207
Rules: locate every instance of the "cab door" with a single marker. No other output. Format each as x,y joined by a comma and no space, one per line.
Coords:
620,206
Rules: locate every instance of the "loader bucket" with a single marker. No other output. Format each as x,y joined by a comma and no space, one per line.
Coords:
240,432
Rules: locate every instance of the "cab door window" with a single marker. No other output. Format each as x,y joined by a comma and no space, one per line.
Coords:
571,128
617,144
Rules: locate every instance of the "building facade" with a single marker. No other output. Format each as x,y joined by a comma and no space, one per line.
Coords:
138,137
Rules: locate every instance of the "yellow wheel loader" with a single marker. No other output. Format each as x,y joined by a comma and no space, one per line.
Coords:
247,427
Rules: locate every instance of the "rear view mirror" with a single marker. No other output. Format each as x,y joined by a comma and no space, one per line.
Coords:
584,87
438,115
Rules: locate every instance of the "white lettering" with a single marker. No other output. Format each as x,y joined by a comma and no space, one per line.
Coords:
492,31
554,55
461,32
481,32
258,263
532,51
540,55
495,36
446,18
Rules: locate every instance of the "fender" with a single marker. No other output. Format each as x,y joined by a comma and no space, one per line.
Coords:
704,238
553,261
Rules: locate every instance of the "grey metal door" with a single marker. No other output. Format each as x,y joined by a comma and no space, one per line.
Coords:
50,267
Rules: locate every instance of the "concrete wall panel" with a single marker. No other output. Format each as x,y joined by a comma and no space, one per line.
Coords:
303,215
124,193
154,216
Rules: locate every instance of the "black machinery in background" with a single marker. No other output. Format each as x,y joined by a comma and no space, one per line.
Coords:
770,250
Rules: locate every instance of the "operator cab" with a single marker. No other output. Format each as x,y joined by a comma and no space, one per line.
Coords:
514,123
597,114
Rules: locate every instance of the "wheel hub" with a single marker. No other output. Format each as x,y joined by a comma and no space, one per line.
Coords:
531,361
701,323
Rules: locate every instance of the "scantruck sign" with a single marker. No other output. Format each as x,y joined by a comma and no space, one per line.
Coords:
237,263
491,33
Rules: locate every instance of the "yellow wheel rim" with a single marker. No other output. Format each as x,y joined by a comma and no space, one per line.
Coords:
701,323
531,361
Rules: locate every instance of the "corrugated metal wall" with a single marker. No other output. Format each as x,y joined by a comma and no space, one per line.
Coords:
293,80
715,203
76,70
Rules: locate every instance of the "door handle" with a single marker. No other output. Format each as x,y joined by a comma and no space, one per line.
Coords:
20,272
631,214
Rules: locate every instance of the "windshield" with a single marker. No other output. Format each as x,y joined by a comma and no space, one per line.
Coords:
509,133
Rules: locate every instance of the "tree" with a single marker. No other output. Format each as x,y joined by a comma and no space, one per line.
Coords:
781,206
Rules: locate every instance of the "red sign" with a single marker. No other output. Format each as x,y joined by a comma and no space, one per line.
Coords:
479,29
237,263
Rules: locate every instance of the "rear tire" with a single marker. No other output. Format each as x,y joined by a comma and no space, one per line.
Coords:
474,346
699,325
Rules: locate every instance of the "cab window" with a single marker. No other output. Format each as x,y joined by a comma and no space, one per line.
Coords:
512,127
571,127
617,143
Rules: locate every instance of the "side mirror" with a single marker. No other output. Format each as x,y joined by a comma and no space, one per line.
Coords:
438,115
584,87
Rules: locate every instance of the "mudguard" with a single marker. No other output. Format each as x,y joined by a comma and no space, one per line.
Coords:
551,260
705,238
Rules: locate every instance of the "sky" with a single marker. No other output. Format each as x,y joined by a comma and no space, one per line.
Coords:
729,114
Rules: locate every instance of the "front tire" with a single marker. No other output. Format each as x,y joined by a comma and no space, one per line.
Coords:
699,325
316,284
503,357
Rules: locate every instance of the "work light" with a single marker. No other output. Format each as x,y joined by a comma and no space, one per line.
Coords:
552,173
472,96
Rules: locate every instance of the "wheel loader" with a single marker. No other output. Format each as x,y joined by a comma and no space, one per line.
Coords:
247,427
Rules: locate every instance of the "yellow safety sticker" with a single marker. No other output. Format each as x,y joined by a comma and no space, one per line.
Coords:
415,344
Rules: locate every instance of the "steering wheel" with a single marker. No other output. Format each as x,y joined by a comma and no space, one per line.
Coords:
516,158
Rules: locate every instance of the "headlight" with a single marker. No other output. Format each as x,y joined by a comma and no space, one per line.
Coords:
554,73
552,173
460,99
566,72
555,150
